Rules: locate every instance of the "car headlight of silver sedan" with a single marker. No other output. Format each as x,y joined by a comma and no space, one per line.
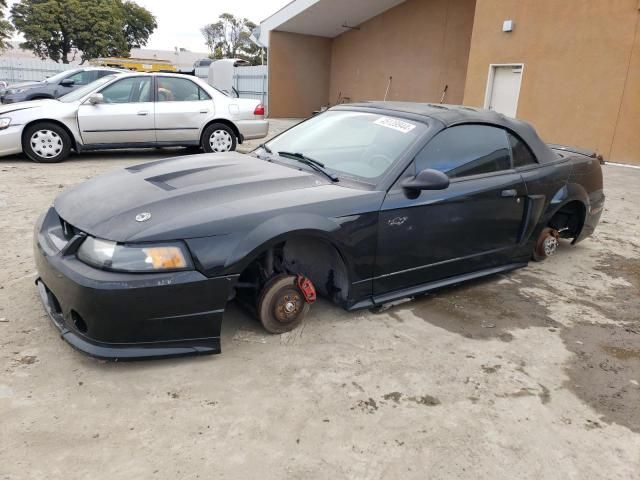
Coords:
13,91
4,122
109,255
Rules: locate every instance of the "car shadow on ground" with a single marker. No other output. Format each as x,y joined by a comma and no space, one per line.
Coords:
106,155
486,309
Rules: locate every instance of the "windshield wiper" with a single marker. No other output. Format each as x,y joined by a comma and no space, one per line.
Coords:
310,162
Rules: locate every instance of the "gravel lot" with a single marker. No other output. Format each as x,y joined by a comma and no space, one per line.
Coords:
533,374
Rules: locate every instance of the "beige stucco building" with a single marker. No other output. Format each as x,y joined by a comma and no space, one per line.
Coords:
570,67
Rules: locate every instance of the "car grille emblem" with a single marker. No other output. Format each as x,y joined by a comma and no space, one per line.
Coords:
143,217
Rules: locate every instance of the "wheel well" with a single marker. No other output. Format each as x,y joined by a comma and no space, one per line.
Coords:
315,258
569,219
41,97
60,124
223,121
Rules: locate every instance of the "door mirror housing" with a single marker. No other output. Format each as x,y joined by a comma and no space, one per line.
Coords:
428,179
67,82
96,98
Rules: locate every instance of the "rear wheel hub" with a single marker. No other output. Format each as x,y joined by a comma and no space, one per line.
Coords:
548,243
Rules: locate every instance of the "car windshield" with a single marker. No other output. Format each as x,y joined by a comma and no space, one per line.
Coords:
82,91
357,145
59,76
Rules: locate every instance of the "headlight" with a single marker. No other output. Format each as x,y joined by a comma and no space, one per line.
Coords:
129,258
4,122
13,91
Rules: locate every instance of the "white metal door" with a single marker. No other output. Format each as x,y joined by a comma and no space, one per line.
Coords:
504,89
126,115
124,123
182,108
181,121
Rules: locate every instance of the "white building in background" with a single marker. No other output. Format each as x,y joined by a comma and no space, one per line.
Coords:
183,59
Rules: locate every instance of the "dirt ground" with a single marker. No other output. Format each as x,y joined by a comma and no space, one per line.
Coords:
533,374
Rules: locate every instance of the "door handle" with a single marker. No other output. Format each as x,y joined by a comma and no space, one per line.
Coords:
509,193
204,111
143,113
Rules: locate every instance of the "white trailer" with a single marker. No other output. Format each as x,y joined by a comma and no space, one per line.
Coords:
221,74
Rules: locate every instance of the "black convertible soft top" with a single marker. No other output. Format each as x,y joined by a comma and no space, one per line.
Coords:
450,115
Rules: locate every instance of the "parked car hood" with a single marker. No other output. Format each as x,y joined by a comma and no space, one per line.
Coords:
14,107
25,85
196,196
24,112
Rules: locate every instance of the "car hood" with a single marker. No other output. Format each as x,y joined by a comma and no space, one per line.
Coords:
25,85
190,197
32,105
24,112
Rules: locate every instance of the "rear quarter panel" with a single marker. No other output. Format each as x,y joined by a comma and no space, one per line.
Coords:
546,190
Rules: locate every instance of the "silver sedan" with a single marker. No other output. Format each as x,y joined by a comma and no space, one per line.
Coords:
131,110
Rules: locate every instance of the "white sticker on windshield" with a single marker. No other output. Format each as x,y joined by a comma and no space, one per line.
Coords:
399,125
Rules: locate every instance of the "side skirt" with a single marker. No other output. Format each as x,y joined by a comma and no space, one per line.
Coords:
118,146
427,287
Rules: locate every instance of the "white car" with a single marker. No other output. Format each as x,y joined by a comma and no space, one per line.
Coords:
130,110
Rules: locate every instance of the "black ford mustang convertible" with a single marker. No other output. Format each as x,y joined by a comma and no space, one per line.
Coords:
363,204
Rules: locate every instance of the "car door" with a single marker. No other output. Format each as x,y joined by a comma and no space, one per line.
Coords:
125,115
182,108
473,224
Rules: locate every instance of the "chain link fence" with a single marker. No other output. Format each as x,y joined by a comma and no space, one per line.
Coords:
14,70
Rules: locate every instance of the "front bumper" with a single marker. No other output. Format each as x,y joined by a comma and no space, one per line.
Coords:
11,140
122,316
12,98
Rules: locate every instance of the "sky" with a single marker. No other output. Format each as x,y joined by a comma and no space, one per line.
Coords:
180,21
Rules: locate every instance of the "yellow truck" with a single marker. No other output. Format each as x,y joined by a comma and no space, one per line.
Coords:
137,64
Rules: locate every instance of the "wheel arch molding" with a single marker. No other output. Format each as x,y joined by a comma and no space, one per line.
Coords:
277,230
70,131
223,121
571,193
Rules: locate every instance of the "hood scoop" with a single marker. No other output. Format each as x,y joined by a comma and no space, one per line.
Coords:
186,178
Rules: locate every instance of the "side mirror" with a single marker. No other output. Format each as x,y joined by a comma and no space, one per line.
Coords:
96,98
67,82
427,180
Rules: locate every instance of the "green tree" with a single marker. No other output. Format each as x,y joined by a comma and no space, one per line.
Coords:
6,29
139,24
56,29
97,28
229,37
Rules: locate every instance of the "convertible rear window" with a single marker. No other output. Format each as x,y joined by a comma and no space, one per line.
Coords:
359,145
522,155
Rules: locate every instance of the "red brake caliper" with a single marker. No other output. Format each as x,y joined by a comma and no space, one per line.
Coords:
307,289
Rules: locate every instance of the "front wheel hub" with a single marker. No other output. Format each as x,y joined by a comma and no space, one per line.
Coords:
288,306
282,305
